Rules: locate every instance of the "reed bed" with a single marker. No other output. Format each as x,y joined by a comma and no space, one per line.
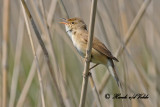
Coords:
37,42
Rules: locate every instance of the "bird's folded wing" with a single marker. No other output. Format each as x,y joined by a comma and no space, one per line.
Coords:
100,47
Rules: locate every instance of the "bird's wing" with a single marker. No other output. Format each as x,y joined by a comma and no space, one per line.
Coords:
100,47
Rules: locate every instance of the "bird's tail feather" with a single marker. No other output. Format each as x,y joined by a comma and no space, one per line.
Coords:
111,68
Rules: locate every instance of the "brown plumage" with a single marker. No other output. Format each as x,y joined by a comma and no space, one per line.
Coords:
77,31
100,47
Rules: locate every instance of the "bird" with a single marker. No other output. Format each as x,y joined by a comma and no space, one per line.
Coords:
78,33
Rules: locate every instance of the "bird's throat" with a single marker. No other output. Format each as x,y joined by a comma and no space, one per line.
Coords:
69,31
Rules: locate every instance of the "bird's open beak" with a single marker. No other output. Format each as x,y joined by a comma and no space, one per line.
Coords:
64,21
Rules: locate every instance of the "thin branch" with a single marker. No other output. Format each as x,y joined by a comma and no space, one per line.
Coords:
98,101
35,54
61,4
132,27
130,32
51,12
45,53
33,67
5,51
104,32
88,53
17,60
104,81
28,82
56,67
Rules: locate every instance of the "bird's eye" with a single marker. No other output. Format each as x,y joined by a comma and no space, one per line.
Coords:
72,22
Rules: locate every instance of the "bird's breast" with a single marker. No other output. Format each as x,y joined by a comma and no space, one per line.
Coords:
75,40
80,46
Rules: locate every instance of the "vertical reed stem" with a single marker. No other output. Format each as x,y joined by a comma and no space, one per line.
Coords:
35,55
88,54
47,59
5,51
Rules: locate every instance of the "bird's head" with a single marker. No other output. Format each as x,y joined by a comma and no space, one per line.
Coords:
74,23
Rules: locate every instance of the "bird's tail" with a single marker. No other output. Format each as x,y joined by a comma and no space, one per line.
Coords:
111,68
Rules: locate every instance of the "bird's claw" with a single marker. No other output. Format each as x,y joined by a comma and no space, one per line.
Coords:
86,59
86,75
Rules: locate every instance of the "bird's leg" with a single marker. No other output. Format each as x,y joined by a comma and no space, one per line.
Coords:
93,66
89,73
86,59
86,75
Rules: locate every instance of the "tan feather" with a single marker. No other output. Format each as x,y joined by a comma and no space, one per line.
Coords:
100,47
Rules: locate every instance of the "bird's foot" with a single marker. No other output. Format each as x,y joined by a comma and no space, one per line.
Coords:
86,75
86,59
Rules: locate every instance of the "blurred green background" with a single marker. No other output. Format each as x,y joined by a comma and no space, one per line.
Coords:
138,67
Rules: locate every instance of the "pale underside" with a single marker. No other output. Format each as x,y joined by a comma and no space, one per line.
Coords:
81,45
